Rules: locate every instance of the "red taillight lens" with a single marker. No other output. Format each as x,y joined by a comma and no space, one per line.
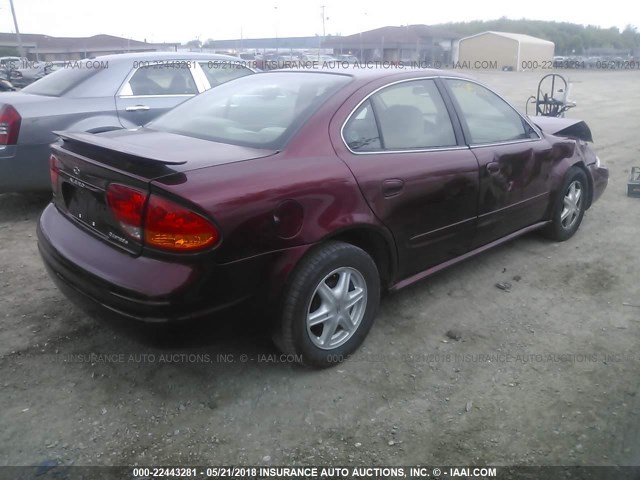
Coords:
9,125
127,205
170,226
54,171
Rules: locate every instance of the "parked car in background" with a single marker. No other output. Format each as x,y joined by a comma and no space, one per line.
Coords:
259,62
347,58
8,66
558,61
12,62
308,193
270,61
5,83
96,95
286,61
318,57
251,60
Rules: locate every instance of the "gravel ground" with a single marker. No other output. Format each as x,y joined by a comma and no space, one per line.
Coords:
543,374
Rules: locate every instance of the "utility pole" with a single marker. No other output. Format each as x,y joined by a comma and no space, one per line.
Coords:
15,24
275,9
324,33
361,55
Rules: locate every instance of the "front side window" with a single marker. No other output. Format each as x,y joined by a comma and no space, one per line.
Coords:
488,118
259,110
163,80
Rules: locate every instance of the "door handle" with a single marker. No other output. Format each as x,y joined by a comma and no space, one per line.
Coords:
493,168
138,108
392,187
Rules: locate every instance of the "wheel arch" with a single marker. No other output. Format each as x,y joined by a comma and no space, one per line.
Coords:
376,243
580,164
563,169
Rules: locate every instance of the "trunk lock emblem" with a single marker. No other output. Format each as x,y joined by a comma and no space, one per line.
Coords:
76,171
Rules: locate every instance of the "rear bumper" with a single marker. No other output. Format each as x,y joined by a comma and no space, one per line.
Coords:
105,281
600,177
25,168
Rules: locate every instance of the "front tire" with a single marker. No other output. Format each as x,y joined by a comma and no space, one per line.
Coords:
329,305
570,206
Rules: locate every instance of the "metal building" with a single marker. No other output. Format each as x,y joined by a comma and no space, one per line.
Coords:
505,51
432,45
47,48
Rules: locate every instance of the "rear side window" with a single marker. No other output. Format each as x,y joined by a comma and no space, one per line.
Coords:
488,118
163,80
218,72
361,132
60,82
412,115
407,116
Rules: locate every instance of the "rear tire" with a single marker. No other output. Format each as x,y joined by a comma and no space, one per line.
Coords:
569,207
329,305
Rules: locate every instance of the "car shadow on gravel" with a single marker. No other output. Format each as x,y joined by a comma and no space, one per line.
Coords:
22,206
238,331
246,330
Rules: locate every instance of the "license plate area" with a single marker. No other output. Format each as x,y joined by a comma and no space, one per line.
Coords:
84,203
87,205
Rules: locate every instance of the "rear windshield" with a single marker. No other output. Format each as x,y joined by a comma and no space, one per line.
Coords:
259,110
60,81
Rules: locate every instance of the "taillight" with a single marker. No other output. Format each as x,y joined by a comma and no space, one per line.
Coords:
54,171
9,125
169,226
162,223
127,205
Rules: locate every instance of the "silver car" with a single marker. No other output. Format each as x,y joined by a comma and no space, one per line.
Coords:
97,95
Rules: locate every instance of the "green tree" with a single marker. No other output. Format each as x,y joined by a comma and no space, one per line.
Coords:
630,37
566,36
575,45
194,44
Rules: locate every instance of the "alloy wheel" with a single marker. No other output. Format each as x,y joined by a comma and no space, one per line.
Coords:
337,307
572,205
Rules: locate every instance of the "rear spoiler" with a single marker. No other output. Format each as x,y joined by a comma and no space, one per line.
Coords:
564,127
143,154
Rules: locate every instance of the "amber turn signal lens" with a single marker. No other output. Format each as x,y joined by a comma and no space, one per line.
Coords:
169,226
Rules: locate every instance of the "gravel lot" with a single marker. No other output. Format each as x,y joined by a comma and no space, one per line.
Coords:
546,374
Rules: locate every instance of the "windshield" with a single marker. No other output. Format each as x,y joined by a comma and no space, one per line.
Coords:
60,81
259,110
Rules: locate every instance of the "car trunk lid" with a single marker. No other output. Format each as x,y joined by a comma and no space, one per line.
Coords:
84,165
21,98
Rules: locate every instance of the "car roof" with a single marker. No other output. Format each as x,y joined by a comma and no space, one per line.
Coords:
150,56
369,71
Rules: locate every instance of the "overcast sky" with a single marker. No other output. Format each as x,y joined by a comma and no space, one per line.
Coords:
180,21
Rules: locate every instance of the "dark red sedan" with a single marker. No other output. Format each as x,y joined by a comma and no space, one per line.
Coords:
308,192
